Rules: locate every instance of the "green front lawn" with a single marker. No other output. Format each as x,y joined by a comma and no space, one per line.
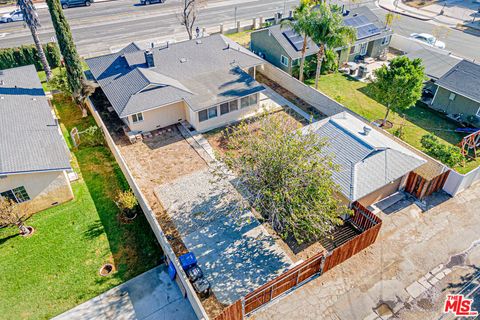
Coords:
418,121
57,268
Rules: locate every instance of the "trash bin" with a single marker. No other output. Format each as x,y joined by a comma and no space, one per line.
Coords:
194,273
362,71
187,260
202,287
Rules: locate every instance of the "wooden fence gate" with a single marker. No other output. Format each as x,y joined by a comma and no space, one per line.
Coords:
420,187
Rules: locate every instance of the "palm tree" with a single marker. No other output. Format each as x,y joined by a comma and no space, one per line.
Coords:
31,19
329,33
302,25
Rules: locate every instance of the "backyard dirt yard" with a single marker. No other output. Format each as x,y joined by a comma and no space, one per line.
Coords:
418,257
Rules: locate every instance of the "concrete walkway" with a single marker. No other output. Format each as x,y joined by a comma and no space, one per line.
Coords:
151,295
417,253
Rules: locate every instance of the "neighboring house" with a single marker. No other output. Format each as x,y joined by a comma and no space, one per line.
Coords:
280,46
373,38
208,82
283,48
436,61
458,92
371,165
33,155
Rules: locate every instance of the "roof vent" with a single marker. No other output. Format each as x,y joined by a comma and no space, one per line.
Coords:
183,60
366,130
149,59
2,82
199,41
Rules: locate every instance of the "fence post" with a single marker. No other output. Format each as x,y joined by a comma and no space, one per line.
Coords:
238,26
221,28
254,23
260,21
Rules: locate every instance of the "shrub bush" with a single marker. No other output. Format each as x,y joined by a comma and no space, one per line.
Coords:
450,155
27,54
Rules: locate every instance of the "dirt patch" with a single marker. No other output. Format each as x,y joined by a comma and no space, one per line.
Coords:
419,3
218,139
302,104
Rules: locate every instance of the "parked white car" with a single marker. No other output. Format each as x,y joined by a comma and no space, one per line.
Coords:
15,15
428,39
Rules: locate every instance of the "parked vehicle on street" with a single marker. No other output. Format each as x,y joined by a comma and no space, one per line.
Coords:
147,2
75,3
428,39
15,15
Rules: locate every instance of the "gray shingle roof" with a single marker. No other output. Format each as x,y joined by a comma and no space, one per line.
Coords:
365,163
437,62
463,79
29,135
277,32
201,73
372,18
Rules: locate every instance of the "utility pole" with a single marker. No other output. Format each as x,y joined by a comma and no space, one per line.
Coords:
235,16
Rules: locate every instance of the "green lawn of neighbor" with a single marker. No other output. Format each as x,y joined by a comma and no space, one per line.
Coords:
419,120
57,267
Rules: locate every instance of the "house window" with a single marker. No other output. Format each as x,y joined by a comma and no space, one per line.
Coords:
253,99
386,40
354,49
284,60
228,107
18,194
245,102
138,117
363,49
207,114
224,108
233,105
452,96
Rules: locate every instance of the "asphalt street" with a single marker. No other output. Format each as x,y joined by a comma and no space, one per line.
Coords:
110,25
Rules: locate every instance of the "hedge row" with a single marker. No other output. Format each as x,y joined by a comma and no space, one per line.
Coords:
27,54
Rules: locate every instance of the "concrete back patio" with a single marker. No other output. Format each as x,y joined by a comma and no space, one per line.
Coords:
151,295
235,252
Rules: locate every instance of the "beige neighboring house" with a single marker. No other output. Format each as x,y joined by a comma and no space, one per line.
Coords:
371,166
208,82
34,157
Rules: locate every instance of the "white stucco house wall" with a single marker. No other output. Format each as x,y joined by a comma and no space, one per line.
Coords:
34,157
208,82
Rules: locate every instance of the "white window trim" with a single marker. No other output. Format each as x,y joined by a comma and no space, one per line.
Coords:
363,45
15,196
478,112
286,58
386,40
136,115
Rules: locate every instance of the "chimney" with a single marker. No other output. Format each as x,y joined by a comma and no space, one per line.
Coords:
149,59
366,130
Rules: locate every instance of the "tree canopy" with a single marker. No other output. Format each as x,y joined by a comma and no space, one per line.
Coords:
286,175
73,66
399,85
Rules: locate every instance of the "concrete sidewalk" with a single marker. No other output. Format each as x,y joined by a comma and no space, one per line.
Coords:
452,15
151,295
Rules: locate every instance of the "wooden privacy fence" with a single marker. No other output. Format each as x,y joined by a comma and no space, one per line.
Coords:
363,219
370,226
282,283
420,187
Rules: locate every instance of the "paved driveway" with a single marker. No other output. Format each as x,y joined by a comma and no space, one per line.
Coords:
235,252
149,296
412,247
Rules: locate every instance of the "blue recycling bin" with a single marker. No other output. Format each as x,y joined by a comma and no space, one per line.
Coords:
187,260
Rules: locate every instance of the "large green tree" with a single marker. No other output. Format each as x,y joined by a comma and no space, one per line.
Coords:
73,65
286,176
31,19
302,24
399,85
329,32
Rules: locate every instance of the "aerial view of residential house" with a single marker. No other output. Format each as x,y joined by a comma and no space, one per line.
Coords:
371,165
34,158
282,47
458,92
208,82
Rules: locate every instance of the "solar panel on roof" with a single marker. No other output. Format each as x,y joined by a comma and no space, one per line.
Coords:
356,21
294,38
367,31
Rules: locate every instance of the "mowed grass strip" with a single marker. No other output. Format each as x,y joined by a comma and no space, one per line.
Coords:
57,268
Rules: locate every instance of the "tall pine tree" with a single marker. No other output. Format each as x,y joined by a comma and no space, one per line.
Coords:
73,65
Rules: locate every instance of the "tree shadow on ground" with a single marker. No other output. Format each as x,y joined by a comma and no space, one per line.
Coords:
5,239
465,282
